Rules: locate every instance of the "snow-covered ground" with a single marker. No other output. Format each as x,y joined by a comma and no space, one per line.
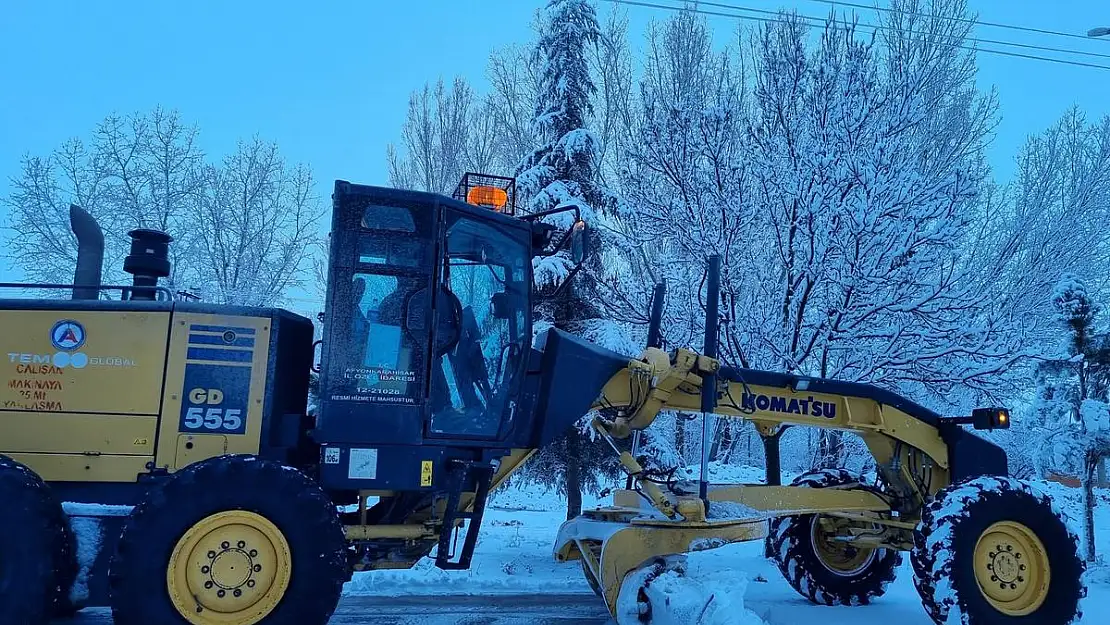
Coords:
515,579
514,556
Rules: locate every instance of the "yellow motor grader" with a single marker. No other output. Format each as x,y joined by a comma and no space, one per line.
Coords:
170,443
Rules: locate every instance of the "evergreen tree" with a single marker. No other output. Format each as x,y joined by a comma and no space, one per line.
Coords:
563,171
1073,398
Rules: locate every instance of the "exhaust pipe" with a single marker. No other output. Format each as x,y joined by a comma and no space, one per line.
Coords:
90,253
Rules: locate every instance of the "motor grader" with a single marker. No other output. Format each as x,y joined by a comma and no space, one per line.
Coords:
169,443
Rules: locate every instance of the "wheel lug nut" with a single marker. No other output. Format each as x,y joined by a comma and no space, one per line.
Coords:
208,585
253,553
1013,586
994,578
1002,586
250,583
1018,555
205,569
1021,567
1021,579
1009,547
990,567
241,544
211,555
257,568
221,593
225,545
238,593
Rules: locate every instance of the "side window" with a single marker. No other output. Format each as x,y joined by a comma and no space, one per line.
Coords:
383,353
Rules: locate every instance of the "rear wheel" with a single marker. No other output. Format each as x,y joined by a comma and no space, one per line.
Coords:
991,551
824,570
35,549
231,540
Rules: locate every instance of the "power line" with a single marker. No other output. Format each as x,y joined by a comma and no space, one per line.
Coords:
965,20
810,18
888,28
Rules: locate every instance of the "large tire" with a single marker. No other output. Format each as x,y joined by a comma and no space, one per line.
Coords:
862,576
960,533
180,548
35,551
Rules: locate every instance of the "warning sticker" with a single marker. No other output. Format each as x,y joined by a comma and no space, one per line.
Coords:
426,473
331,455
363,464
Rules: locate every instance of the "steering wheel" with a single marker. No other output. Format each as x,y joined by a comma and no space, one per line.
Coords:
455,318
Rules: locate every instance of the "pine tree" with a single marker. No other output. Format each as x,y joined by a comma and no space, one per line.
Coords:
563,171
1073,402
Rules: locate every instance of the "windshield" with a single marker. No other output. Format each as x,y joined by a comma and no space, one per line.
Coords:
485,295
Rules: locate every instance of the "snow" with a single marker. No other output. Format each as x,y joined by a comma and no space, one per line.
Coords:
1095,415
94,509
88,536
687,598
514,555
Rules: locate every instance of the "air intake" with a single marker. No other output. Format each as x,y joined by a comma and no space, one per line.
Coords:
148,261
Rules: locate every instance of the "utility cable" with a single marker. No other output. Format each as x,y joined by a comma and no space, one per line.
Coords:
964,20
912,32
780,21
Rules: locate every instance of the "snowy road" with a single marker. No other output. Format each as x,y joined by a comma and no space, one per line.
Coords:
459,610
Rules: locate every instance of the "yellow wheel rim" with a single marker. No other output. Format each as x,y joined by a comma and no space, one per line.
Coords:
839,557
231,568
1012,569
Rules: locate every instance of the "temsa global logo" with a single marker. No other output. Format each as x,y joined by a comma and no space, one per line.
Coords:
67,336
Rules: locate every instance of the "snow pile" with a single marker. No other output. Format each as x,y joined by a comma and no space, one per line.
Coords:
88,535
1096,416
681,599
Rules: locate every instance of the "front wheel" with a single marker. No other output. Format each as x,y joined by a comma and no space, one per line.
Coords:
233,539
992,551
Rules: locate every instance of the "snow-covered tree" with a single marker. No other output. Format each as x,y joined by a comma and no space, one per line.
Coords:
563,171
838,192
1072,410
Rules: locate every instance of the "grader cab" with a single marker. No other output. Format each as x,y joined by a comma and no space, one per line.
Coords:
171,440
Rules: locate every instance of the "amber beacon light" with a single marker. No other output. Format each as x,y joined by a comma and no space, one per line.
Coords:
490,197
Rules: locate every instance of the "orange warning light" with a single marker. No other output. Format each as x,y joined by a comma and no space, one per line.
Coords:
490,197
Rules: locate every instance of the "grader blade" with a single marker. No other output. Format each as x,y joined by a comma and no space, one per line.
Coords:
613,543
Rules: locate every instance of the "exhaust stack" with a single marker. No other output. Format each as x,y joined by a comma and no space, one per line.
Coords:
90,253
149,260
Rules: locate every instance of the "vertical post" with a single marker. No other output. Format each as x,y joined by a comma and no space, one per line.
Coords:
654,339
655,321
709,380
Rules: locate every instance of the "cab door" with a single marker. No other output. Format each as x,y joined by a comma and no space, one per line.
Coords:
482,328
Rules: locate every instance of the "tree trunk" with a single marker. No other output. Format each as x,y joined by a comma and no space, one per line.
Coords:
573,476
1089,501
680,437
722,440
829,450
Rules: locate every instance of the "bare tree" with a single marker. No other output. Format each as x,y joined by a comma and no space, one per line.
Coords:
515,88
140,171
253,226
446,133
43,246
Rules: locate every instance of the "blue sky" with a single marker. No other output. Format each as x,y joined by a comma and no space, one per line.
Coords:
330,85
